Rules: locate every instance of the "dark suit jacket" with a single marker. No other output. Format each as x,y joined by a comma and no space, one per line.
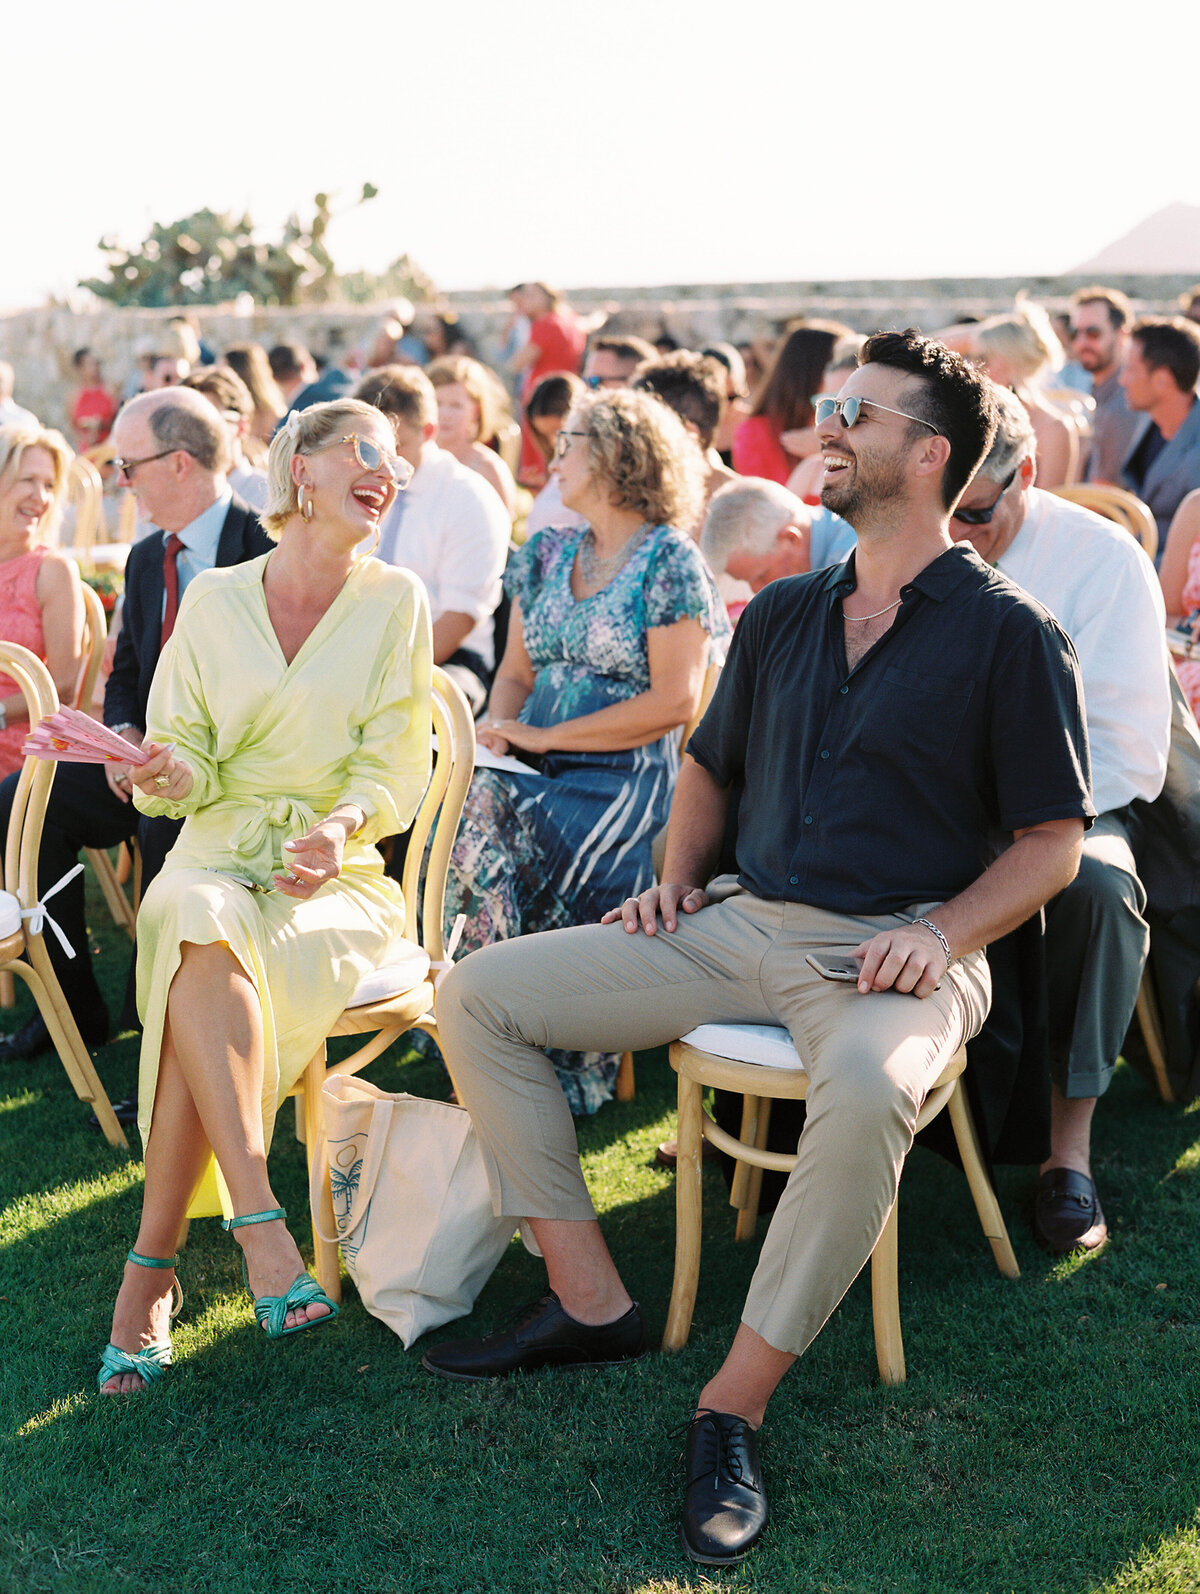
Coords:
128,688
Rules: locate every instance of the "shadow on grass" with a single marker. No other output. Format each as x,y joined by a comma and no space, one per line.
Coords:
1044,1441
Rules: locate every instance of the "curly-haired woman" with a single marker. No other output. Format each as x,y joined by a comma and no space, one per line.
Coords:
612,628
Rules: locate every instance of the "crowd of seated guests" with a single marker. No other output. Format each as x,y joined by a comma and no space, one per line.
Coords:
741,429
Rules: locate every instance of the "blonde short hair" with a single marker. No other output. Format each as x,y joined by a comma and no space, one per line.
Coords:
484,389
641,453
16,441
1024,337
304,432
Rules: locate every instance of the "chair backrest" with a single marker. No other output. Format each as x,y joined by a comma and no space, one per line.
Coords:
95,635
33,788
85,491
711,676
440,811
1115,504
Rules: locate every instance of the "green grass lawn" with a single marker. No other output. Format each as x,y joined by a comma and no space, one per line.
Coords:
1046,1440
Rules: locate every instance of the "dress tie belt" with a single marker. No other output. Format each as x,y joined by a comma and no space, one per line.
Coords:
253,835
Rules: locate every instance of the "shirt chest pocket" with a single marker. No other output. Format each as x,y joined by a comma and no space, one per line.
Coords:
913,719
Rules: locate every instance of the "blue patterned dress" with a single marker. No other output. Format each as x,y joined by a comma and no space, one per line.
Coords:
548,850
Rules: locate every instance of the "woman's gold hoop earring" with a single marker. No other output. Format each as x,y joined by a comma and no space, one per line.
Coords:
367,552
305,505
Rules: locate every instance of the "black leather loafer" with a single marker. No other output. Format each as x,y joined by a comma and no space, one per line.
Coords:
725,1508
31,1040
543,1335
1066,1213
125,1112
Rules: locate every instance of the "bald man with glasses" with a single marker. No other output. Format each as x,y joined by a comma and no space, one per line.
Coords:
172,451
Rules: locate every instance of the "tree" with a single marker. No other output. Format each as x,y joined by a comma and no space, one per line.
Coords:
212,256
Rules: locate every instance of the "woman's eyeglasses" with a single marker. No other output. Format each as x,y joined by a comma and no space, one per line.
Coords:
850,410
563,441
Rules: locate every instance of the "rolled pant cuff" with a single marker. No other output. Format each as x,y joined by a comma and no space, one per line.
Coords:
1077,1086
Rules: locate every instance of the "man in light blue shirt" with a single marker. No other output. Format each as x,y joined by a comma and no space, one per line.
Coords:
756,531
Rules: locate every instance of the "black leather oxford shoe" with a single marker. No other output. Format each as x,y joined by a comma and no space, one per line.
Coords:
724,1508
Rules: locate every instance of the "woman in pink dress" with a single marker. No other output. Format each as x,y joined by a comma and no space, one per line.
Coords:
557,339
93,408
41,601
784,404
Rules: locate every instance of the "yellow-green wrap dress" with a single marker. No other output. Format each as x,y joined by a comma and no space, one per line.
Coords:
273,747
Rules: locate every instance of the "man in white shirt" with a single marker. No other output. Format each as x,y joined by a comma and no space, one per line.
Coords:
450,528
1099,585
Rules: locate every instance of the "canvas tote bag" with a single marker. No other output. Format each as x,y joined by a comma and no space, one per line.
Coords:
411,1205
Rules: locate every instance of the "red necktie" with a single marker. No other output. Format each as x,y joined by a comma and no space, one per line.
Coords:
170,585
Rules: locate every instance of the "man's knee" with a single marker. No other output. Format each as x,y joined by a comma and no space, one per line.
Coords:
1104,906
869,1088
1103,887
474,992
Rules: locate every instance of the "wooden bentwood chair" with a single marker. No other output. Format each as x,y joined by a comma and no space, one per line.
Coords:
395,1005
1115,504
760,1061
22,948
626,1085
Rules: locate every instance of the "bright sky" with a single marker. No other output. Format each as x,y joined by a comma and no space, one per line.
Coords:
629,142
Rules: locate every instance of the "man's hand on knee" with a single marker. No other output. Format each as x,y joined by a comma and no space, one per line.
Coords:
641,913
909,959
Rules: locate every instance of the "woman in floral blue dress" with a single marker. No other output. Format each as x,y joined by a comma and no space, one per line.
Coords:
612,630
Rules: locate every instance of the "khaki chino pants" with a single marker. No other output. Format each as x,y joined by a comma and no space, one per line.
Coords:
870,1059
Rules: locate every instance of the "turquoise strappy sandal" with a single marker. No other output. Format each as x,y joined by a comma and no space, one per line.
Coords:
272,1310
152,1362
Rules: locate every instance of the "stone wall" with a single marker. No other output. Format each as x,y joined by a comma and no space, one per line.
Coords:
39,343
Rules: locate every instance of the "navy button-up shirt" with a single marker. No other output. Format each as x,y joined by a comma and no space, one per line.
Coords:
868,790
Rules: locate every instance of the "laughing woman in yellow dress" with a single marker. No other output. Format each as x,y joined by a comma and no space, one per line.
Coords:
291,726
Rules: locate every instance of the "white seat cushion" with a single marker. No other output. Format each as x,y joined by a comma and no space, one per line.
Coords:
767,1044
10,914
394,978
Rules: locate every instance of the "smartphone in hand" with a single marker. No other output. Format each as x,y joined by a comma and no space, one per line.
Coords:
835,966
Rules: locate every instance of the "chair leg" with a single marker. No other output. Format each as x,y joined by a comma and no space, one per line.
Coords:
885,1302
73,1054
8,991
982,1192
748,1216
688,1216
106,876
626,1087
298,1103
325,1252
739,1193
1151,1026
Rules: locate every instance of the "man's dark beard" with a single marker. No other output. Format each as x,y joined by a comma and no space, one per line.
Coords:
884,484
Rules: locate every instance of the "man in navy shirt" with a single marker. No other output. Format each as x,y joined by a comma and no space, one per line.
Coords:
908,734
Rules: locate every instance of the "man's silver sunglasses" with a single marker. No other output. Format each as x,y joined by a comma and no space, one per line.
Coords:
850,408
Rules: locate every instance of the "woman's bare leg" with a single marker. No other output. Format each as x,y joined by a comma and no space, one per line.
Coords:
208,1097
176,1157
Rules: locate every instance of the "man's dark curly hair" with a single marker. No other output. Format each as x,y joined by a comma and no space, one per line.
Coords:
952,397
